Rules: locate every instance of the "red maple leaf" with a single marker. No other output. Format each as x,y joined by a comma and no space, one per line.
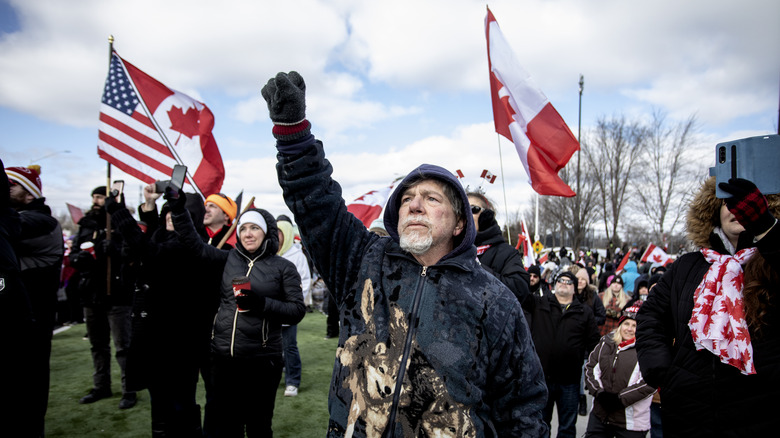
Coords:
743,334
658,258
184,123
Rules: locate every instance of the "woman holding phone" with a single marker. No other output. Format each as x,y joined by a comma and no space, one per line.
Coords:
260,291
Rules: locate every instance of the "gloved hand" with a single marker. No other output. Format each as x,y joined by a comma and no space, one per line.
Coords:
112,206
486,219
250,301
610,401
176,199
748,205
286,98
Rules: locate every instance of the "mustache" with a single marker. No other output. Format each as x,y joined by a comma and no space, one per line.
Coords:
418,219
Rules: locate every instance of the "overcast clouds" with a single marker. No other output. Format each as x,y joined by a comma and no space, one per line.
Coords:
390,84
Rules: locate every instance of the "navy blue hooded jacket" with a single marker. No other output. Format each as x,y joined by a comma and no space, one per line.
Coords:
424,350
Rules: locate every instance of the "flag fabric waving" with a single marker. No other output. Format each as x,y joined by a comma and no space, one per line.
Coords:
524,115
75,213
146,128
528,246
654,254
489,177
623,262
369,206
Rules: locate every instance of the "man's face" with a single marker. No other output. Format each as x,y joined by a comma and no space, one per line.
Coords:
214,217
19,196
564,286
476,202
534,279
426,220
98,201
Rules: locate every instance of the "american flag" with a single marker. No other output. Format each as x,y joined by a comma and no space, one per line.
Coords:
146,128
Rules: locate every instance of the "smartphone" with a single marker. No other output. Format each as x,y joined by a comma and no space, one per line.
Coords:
159,186
756,159
178,175
117,188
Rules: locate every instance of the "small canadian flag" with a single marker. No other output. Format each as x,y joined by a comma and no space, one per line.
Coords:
460,174
488,176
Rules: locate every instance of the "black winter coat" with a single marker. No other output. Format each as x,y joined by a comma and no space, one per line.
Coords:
171,314
503,261
562,339
40,251
256,332
92,271
700,395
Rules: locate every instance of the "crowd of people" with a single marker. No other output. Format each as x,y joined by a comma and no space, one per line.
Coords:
442,330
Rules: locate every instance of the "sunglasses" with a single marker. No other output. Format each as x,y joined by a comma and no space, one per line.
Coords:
565,281
476,209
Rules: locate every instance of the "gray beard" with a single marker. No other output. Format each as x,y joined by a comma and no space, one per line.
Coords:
415,243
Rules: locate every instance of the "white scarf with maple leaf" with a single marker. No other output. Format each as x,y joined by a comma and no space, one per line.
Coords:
718,319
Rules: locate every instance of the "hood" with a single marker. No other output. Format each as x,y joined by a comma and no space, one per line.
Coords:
704,213
630,267
289,236
270,244
462,242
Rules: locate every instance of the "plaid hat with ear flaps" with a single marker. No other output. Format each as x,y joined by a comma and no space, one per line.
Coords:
27,177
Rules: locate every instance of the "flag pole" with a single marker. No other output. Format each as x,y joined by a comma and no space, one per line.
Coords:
108,185
503,187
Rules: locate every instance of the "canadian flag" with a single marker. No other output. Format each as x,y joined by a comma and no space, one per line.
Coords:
489,177
369,206
528,249
146,128
623,262
524,115
654,254
460,174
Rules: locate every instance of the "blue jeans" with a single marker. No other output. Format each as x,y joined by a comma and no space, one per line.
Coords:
567,399
292,358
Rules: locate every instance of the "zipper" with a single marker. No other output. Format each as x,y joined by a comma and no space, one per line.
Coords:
233,334
413,323
235,314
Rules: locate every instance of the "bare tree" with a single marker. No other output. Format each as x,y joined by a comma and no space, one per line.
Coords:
667,174
613,151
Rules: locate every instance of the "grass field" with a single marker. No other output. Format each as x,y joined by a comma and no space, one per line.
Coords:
71,377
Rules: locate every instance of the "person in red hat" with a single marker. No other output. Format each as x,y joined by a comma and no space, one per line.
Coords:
40,251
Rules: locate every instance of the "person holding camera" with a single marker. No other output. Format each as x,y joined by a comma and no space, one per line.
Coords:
260,291
107,304
708,332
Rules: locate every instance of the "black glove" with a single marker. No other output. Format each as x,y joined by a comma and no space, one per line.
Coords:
112,206
286,98
610,401
486,219
176,199
250,301
748,205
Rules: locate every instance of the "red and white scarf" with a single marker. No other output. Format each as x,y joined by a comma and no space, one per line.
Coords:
718,318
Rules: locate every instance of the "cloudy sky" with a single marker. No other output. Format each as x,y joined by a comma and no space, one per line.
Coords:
390,85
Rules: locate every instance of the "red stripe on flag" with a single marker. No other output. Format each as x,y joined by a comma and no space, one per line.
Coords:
126,168
135,135
142,158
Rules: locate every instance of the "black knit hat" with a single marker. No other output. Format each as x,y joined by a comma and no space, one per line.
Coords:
101,190
534,269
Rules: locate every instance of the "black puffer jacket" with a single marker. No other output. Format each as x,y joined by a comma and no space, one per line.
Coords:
503,261
254,333
700,395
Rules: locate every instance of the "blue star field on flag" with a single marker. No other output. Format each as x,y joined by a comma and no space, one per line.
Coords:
118,93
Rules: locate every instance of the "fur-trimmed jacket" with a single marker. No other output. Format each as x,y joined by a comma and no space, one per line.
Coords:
614,369
700,395
424,350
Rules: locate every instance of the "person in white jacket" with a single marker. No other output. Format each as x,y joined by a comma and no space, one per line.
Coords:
621,407
293,252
